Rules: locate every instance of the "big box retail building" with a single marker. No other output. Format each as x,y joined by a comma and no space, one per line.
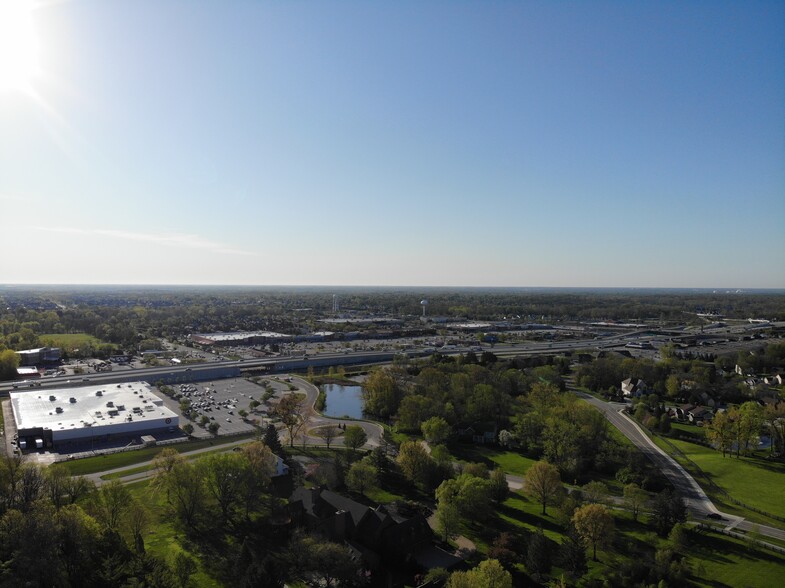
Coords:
53,418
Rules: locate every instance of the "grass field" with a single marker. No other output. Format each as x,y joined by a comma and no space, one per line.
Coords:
753,481
717,560
69,341
101,463
510,461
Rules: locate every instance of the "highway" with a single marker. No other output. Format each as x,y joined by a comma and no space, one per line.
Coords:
283,364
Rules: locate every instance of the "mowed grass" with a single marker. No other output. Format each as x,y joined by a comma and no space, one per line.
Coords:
102,463
753,481
70,340
510,461
718,560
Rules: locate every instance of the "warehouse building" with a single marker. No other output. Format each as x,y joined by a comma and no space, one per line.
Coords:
57,418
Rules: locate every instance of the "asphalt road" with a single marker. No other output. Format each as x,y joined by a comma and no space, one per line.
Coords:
374,431
695,498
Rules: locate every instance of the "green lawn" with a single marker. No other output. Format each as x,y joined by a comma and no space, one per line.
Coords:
70,341
148,466
511,462
754,481
717,560
688,431
100,463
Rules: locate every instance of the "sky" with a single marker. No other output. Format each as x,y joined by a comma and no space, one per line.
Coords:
407,143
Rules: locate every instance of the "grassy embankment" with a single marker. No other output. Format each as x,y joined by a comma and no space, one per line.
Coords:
101,463
753,480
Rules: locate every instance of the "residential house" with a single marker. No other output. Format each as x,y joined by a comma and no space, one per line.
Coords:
699,414
375,535
480,433
634,388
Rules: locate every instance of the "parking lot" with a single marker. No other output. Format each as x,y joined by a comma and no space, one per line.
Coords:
221,401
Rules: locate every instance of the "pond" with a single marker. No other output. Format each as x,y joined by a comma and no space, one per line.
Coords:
344,401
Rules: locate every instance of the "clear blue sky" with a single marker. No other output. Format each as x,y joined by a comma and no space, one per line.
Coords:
398,143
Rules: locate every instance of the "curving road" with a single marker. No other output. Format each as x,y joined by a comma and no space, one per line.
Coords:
314,419
695,498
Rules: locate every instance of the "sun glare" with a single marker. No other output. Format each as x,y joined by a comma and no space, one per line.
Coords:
18,45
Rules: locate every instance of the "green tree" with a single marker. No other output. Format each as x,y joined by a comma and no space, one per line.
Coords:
271,439
361,477
667,510
542,482
500,489
594,523
381,393
223,478
111,504
183,567
414,461
9,361
330,562
488,574
354,437
448,520
720,431
572,553
538,555
436,430
596,492
635,498
473,496
78,536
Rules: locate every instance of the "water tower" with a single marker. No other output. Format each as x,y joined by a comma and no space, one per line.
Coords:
424,304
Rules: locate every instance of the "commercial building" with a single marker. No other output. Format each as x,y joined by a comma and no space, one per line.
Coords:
54,418
239,338
40,356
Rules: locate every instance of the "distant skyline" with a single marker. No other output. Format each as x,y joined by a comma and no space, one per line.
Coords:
509,144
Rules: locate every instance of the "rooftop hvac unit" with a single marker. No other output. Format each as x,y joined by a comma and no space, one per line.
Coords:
52,398
99,393
59,409
72,400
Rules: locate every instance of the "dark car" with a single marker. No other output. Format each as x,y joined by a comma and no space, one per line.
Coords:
715,516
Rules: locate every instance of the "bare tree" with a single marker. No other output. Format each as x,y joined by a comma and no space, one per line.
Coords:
327,433
291,410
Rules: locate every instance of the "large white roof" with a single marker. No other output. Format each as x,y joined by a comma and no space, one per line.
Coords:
88,406
241,335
